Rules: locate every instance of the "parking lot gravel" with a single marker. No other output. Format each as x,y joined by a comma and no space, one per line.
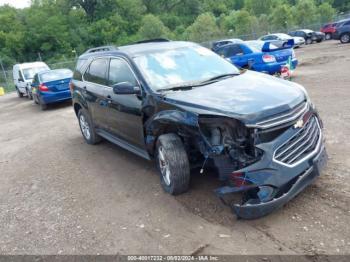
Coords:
59,195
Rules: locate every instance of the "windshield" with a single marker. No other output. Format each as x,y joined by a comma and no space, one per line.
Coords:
182,66
283,36
29,73
56,75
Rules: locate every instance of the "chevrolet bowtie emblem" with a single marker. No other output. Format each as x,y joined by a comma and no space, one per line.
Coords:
299,123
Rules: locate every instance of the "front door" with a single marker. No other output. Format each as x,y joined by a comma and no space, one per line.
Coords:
124,111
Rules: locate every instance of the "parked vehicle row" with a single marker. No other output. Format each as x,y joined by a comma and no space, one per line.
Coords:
38,82
186,107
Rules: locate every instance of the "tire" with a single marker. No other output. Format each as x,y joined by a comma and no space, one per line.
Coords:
345,38
328,36
35,99
87,128
42,105
172,163
29,94
19,94
308,41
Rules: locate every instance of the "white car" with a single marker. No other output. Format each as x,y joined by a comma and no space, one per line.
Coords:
23,75
279,39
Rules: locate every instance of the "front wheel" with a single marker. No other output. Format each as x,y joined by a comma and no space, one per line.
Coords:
19,94
172,163
328,36
308,41
345,38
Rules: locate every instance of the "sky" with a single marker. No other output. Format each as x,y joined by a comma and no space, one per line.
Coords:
16,3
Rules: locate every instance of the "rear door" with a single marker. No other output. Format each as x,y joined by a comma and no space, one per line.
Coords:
124,111
94,91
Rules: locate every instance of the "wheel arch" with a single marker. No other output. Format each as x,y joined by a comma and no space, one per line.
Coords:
169,121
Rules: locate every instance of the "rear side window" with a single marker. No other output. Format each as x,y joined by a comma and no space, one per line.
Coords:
231,50
97,71
119,71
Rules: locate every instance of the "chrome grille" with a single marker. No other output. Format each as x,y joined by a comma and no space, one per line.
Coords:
300,145
282,118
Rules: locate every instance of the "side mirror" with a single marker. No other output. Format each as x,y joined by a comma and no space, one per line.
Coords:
126,88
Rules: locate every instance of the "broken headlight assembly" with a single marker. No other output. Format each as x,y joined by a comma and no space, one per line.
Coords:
229,143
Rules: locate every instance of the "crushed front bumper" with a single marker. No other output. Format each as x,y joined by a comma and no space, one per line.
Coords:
269,184
252,211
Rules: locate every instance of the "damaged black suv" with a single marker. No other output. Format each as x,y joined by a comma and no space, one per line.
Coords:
184,106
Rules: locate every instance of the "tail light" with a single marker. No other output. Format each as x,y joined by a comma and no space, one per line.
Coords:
43,88
268,58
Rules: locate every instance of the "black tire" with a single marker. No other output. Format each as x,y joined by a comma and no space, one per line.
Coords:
19,94
29,94
328,36
92,138
35,99
345,38
42,105
308,41
171,156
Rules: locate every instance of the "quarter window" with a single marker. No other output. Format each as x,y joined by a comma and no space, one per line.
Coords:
97,71
119,71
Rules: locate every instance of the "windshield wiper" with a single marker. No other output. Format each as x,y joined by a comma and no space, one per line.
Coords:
188,86
220,77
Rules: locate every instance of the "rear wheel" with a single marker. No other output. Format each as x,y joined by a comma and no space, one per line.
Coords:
87,128
35,99
345,38
172,163
42,105
308,41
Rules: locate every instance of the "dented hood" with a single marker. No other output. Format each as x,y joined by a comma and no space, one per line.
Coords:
249,97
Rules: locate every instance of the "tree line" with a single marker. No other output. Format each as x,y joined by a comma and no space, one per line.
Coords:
61,29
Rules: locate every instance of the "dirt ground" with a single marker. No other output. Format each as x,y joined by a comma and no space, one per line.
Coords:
59,195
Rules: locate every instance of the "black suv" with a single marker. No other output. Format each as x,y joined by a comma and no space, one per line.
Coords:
309,35
189,109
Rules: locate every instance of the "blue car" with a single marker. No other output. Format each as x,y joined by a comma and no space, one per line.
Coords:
259,56
51,86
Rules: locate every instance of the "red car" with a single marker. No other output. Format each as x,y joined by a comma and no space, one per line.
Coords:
328,29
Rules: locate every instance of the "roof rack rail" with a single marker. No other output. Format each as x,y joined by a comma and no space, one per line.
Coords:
101,49
154,40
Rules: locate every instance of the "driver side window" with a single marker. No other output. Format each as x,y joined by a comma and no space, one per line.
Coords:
119,71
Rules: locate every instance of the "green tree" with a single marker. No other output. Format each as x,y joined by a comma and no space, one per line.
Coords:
152,27
258,7
281,17
305,13
326,12
204,28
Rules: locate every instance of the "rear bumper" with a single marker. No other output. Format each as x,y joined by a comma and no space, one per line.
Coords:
52,97
273,68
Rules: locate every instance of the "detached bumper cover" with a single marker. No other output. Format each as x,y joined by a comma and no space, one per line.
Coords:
252,211
270,183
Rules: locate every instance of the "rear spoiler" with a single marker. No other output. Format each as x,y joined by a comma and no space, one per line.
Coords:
286,45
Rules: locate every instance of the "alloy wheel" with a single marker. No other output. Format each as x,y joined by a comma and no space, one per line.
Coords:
164,166
85,128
